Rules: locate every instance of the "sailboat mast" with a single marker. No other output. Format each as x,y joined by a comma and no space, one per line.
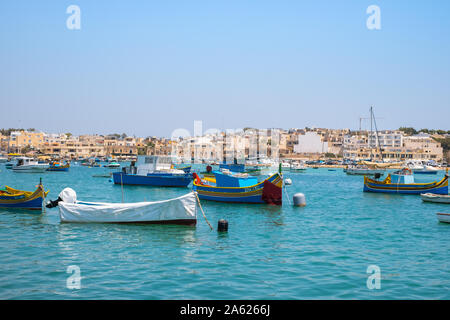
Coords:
376,130
371,134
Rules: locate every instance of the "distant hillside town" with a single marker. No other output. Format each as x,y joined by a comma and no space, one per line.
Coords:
307,143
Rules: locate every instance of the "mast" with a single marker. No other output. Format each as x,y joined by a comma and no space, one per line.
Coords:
376,131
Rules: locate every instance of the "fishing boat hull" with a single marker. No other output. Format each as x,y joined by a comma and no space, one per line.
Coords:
34,168
269,191
14,198
437,187
437,198
443,217
181,210
154,179
63,168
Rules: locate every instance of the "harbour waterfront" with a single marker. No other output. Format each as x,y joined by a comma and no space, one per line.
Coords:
320,251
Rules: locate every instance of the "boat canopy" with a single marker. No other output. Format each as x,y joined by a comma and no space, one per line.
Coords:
228,179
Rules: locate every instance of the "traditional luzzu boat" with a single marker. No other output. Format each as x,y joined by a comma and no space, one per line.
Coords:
14,198
152,171
403,182
238,187
181,210
57,166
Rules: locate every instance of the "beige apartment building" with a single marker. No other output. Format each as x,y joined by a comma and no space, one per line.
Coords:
394,146
25,139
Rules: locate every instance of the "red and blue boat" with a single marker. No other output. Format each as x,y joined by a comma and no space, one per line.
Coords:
239,188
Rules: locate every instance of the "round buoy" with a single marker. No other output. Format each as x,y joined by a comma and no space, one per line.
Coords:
299,200
222,226
287,181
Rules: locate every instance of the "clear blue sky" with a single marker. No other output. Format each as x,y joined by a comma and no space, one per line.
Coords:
149,67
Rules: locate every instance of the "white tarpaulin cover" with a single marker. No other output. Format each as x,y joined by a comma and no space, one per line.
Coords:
68,195
181,208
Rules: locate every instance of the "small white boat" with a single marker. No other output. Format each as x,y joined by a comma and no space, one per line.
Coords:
443,217
438,198
181,210
285,165
112,165
25,164
424,170
298,166
363,170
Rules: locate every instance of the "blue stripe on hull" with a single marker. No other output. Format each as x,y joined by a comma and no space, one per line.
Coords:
159,180
434,172
32,204
251,199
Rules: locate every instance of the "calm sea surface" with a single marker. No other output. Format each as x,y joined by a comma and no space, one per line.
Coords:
321,251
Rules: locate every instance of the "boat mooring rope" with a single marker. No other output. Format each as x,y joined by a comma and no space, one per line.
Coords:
204,216
287,195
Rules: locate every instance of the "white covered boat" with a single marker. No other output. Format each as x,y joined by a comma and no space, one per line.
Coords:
25,164
443,217
439,198
181,210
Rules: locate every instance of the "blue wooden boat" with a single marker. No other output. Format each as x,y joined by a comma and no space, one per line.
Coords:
56,166
229,187
14,198
402,182
152,171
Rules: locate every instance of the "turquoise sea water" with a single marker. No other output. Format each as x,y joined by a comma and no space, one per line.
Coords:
321,251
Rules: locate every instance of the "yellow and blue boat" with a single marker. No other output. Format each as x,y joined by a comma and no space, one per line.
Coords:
228,187
402,182
14,198
56,166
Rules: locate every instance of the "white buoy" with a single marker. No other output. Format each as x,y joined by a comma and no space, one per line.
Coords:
299,200
287,181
